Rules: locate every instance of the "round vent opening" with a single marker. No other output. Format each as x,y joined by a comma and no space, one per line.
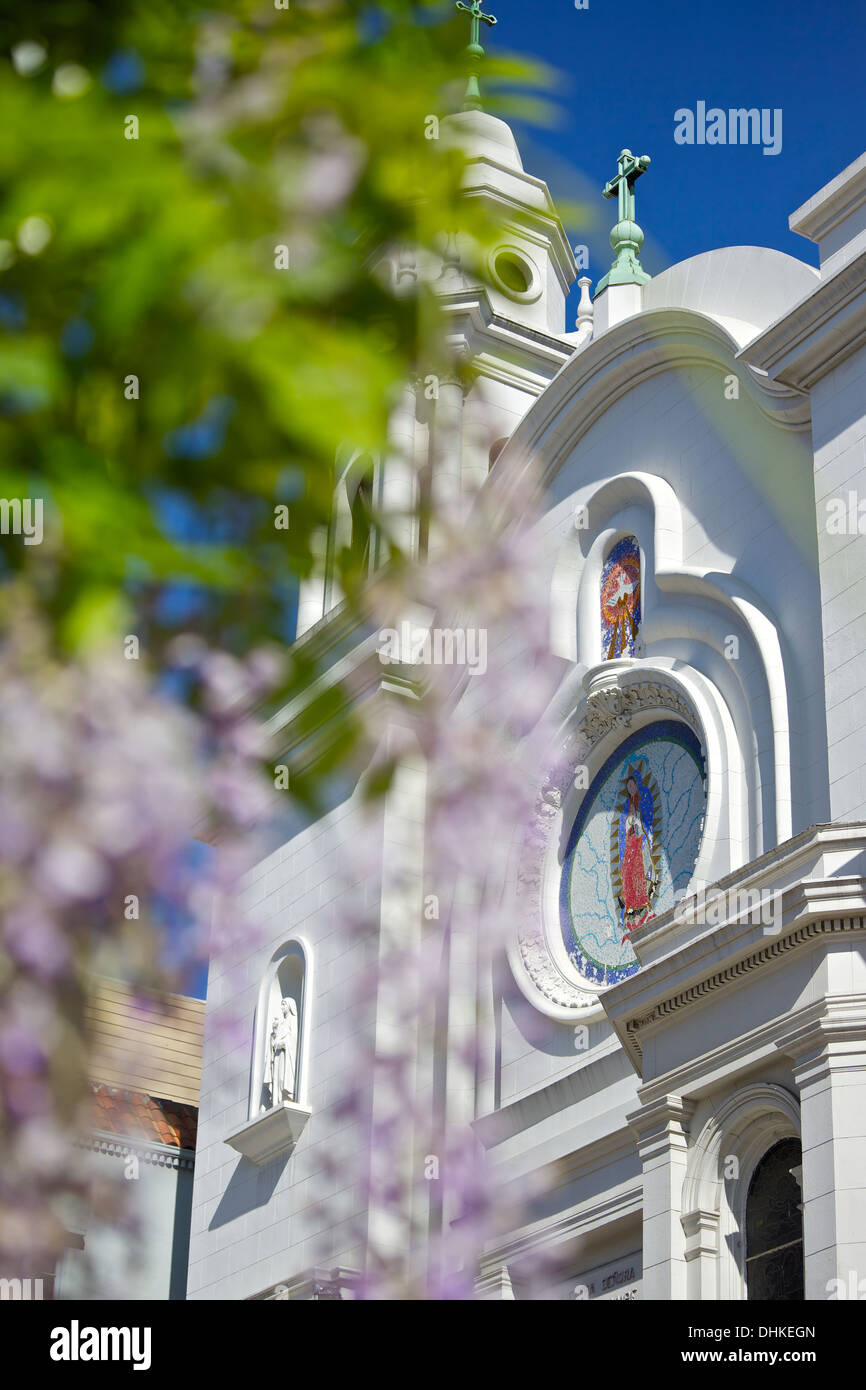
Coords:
513,272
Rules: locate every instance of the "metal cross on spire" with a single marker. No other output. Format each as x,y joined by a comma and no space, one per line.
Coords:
630,167
626,237
474,50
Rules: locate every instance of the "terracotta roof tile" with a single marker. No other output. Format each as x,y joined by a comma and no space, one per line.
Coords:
134,1115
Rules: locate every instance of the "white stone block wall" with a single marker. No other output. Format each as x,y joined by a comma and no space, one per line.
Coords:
253,1227
839,422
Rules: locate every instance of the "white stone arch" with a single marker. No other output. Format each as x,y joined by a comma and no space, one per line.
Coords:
688,615
612,365
723,841
289,973
736,1137
650,691
583,392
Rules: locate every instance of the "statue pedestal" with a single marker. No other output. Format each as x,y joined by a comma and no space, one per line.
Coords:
274,1132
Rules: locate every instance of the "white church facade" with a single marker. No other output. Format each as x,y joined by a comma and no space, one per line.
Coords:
693,903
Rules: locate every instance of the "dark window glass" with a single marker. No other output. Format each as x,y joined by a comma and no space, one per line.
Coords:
774,1227
362,513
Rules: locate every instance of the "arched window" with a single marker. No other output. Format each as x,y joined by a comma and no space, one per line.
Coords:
774,1227
621,599
496,449
360,490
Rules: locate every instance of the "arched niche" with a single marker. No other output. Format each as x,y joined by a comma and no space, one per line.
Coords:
287,977
689,616
620,599
272,1130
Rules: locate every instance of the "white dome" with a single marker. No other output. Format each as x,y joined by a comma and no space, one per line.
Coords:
482,136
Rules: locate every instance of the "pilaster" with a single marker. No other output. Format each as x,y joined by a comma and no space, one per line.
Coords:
447,461
829,1054
662,1131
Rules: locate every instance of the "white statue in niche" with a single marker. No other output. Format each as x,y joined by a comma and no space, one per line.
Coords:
283,1053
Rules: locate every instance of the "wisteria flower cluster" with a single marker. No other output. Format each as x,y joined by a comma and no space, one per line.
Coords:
102,780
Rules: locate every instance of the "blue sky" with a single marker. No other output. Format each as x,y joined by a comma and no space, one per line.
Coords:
626,69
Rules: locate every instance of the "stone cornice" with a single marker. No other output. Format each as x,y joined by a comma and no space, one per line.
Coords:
727,977
561,1093
313,1284
685,964
792,857
501,348
581,1221
662,1121
832,204
818,333
827,1037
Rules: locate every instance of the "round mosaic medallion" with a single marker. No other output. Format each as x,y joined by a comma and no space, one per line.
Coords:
632,848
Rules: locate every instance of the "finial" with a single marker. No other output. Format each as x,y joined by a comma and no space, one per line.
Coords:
626,237
585,313
472,101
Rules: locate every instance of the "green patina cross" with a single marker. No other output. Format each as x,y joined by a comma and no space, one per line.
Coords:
630,168
474,49
626,237
478,15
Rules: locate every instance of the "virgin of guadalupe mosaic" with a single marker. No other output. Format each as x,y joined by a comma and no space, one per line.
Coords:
635,847
632,848
620,599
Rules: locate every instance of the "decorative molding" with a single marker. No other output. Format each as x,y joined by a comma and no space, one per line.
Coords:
502,349
794,859
745,1126
661,1129
828,1038
493,1283
538,963
525,210
613,365
550,1233
832,204
817,334
701,1230
625,695
313,1285
273,1133
159,1157
615,706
